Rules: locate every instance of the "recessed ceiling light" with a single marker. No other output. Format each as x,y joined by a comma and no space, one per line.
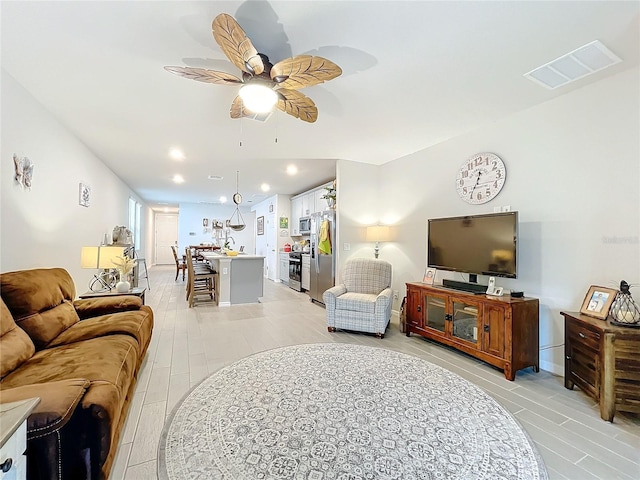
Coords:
292,169
215,177
178,178
265,187
223,199
176,154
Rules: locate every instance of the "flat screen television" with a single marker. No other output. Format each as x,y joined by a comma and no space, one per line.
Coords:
475,244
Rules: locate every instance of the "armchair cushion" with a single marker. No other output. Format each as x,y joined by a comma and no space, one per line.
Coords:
357,302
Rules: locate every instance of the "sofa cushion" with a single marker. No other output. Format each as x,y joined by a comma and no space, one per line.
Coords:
356,302
15,344
40,301
137,323
58,401
94,307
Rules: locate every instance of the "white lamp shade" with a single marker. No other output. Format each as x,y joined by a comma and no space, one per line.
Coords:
378,233
100,257
258,98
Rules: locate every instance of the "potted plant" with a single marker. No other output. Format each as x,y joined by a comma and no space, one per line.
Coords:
330,195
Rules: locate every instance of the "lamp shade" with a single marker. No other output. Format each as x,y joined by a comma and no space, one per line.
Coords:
258,98
100,257
378,233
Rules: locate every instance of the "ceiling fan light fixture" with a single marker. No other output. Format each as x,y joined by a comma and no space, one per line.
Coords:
258,98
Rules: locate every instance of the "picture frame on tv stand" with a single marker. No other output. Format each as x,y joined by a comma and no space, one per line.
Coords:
429,276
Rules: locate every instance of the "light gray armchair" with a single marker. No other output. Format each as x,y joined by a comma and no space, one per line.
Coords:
363,301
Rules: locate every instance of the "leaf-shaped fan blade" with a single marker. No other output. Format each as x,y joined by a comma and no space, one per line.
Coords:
238,110
204,75
236,45
297,104
304,71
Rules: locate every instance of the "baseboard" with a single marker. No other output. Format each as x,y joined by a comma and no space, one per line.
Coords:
224,304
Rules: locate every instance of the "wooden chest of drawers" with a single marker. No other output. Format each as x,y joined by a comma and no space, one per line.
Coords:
603,360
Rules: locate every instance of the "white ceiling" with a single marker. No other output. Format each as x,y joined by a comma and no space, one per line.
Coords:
414,74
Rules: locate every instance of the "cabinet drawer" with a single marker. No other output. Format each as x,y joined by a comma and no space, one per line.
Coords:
581,334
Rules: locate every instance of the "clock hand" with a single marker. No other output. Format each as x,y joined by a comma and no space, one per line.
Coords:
475,184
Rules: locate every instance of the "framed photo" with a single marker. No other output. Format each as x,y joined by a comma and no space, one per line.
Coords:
260,225
284,222
429,276
598,301
84,197
271,208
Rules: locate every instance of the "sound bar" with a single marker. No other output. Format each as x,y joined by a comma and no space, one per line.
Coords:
465,286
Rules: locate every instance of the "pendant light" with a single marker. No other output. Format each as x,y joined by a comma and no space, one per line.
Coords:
236,222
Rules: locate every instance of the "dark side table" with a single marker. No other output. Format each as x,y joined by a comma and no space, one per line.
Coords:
137,291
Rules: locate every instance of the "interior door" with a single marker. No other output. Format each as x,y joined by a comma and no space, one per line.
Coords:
166,237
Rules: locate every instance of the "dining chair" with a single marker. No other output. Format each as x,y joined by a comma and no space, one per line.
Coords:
181,264
200,280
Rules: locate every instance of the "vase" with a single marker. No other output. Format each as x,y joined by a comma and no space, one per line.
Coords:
331,203
123,286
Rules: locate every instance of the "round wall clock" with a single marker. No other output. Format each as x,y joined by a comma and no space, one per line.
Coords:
481,178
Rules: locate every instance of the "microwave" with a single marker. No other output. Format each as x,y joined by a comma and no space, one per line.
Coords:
305,226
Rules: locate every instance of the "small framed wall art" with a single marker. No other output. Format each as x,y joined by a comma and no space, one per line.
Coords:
260,226
84,195
597,302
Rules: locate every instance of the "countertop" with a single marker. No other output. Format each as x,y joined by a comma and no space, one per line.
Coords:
218,256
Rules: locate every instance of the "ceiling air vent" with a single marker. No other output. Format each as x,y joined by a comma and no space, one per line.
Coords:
583,61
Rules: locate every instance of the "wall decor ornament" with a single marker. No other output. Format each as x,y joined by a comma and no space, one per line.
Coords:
84,195
480,178
23,168
260,225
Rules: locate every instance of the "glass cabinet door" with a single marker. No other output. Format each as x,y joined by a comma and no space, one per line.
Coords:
435,312
465,321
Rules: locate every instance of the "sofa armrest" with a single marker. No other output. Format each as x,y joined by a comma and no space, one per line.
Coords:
94,307
58,401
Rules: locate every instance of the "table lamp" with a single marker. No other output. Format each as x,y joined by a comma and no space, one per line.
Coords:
101,257
378,233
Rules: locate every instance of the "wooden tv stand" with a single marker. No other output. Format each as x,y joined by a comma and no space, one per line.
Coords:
501,331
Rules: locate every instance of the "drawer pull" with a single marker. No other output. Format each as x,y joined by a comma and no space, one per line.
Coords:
582,335
568,357
6,465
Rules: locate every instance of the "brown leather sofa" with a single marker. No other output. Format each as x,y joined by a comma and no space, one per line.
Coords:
81,357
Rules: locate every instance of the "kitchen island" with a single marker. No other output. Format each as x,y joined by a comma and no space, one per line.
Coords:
240,279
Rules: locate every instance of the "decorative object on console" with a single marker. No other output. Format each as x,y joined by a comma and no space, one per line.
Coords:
339,411
84,195
124,266
597,302
101,258
429,276
624,310
378,233
122,236
481,178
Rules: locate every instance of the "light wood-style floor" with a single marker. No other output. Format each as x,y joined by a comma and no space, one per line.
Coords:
189,344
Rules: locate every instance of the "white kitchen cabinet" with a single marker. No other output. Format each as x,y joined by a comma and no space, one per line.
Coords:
306,271
308,204
296,213
321,203
284,268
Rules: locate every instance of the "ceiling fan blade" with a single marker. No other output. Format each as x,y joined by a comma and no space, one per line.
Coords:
304,71
297,104
204,75
236,45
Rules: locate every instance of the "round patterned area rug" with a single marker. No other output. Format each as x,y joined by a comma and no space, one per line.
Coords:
342,412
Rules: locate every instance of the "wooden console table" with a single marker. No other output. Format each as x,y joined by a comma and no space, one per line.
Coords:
501,331
603,360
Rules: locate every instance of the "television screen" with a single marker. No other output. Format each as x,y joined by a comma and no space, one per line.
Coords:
477,244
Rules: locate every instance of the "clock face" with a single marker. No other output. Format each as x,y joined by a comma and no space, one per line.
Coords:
481,178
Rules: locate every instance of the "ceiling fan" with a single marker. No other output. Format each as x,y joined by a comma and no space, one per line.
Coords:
278,84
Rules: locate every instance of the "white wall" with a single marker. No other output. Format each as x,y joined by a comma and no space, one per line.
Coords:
45,226
573,173
191,231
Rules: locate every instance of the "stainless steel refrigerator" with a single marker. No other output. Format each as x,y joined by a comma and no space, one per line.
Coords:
323,254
